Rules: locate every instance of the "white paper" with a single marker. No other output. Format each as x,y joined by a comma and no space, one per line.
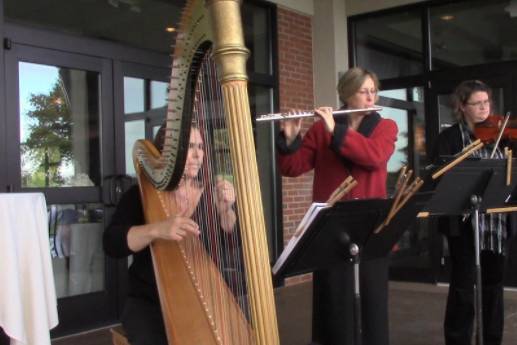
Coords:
307,220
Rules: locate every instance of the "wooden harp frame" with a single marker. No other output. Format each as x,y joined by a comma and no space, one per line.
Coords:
218,23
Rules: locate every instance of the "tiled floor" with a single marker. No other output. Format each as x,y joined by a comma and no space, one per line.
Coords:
416,313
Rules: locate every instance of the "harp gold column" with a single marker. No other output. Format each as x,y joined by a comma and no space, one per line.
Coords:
230,55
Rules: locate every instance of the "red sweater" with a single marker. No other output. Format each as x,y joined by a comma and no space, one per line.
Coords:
364,154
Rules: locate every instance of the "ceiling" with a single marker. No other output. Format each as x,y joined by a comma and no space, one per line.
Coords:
137,23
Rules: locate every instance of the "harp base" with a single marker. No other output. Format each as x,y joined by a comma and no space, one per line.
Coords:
118,337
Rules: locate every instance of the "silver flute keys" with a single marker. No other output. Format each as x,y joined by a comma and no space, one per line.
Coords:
287,116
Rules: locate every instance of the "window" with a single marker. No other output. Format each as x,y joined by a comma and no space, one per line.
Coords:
473,33
76,248
59,126
406,107
390,45
145,106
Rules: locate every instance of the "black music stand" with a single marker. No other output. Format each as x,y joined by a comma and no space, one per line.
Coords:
345,233
471,187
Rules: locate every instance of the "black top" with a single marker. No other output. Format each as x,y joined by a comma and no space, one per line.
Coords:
142,282
448,143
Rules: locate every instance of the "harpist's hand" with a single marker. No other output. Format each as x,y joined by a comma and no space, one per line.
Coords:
175,228
225,194
225,199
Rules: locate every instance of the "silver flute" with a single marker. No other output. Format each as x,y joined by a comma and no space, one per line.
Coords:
287,116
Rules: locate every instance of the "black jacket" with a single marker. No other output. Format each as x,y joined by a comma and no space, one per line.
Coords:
142,283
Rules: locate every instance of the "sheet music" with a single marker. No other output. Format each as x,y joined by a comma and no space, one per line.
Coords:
307,220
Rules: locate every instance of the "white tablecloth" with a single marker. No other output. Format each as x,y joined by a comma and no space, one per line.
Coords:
28,306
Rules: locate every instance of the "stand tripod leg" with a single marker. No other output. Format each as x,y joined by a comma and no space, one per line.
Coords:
478,296
354,252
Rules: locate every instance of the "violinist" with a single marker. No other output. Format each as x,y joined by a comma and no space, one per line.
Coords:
472,100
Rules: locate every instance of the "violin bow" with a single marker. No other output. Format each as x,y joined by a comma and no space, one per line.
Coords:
500,135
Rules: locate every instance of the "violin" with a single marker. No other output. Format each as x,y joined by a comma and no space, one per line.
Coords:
495,128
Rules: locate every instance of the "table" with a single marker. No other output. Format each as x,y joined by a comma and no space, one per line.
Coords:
28,296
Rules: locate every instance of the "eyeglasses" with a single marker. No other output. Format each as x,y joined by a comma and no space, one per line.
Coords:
478,104
364,92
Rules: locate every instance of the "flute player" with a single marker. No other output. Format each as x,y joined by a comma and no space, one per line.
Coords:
358,144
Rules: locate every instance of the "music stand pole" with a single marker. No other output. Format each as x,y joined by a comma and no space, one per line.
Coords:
476,201
354,253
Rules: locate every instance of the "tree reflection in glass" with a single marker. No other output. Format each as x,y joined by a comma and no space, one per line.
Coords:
59,115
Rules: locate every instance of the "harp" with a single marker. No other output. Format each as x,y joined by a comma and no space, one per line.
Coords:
201,302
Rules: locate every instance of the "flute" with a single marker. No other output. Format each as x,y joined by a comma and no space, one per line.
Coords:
303,114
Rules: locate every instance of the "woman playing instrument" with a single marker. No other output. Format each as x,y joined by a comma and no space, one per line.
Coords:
472,106
360,145
128,234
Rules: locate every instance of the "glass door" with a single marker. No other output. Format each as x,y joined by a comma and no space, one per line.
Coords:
405,106
60,143
142,92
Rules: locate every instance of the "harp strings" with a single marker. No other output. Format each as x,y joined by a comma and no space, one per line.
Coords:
230,262
233,260
210,228
223,246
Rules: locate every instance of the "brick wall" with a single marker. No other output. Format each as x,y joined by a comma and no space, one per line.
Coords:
296,92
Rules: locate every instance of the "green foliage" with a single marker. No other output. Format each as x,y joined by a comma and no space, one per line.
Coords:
49,143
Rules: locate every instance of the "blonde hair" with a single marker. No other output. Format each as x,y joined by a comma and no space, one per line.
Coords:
352,81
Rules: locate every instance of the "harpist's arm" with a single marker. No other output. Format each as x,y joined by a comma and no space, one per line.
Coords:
175,228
